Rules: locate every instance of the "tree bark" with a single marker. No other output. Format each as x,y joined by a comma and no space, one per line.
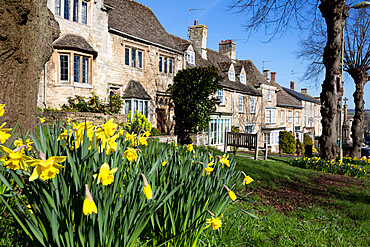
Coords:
28,29
334,13
360,77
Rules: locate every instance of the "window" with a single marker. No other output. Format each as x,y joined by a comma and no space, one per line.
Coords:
243,79
220,95
296,117
58,7
74,10
270,116
290,120
165,65
282,116
253,106
133,57
231,76
170,69
160,64
74,68
269,95
64,67
241,99
305,121
271,138
132,105
217,128
190,57
249,128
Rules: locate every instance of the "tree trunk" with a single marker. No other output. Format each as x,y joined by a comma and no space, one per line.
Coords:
334,13
28,29
360,78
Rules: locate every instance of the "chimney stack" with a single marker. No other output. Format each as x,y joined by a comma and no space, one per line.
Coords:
292,85
273,76
228,48
304,90
266,74
198,36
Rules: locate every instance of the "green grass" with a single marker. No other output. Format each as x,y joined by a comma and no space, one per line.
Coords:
297,207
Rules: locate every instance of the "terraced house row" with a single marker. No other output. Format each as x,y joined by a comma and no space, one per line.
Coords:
119,46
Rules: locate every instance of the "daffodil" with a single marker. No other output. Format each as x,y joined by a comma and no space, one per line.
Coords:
146,188
164,162
190,148
215,222
106,130
19,143
89,205
42,119
2,110
111,145
231,193
3,135
142,140
247,179
105,175
14,159
224,160
130,154
46,169
208,169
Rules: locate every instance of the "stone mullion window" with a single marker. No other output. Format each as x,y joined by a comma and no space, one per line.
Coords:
74,67
73,10
132,105
58,7
64,67
133,57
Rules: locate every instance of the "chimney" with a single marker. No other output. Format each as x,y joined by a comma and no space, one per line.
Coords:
266,74
304,90
228,48
292,85
273,76
198,36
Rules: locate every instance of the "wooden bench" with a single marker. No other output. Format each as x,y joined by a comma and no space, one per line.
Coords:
244,140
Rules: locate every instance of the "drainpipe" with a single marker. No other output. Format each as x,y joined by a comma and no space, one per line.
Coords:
45,78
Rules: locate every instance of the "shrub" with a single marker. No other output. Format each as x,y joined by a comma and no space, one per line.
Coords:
94,104
307,140
138,124
155,132
287,144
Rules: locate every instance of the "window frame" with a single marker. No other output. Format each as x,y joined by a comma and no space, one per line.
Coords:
270,115
241,104
133,57
216,130
231,76
73,10
190,57
253,106
71,68
282,116
243,79
220,96
133,105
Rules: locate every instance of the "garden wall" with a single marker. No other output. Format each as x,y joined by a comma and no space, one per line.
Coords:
96,118
165,138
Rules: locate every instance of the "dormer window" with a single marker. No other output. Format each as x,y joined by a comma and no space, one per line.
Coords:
231,76
190,57
243,79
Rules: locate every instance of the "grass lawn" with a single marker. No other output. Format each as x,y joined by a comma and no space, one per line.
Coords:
297,207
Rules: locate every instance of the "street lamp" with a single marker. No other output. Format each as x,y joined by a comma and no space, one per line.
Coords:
362,5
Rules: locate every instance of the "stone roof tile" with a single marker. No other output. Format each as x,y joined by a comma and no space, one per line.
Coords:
134,89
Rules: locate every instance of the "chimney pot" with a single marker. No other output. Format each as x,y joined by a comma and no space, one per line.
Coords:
195,22
304,90
292,86
266,74
273,76
228,47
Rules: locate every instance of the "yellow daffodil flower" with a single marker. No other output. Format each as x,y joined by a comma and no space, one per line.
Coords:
42,119
247,180
164,163
224,160
14,160
208,169
89,205
3,135
231,193
69,120
2,110
146,188
190,148
215,222
106,131
105,175
19,143
46,169
142,140
130,154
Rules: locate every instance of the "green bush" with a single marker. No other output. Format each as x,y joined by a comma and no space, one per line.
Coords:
155,132
138,124
93,104
287,143
307,140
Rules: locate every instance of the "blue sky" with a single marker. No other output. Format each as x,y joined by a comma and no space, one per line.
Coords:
278,55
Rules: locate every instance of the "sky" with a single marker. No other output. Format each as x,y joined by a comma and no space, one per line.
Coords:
278,55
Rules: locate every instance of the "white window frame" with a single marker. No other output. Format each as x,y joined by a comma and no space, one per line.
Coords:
220,95
296,120
217,128
131,105
282,116
243,79
139,60
253,105
241,104
269,95
270,115
290,119
190,57
231,76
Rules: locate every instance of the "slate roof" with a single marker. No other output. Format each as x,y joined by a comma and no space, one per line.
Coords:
181,44
74,42
253,75
134,89
284,99
138,21
301,96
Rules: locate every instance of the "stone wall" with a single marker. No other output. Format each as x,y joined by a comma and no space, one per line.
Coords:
165,138
96,118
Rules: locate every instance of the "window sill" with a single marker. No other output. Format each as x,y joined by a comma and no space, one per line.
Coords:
83,85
